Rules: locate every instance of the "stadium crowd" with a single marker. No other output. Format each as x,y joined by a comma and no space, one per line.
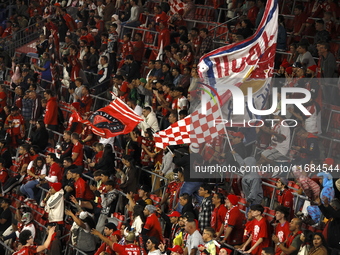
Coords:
66,190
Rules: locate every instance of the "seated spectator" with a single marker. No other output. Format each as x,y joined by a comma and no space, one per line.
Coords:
305,57
40,136
5,216
246,29
111,232
319,244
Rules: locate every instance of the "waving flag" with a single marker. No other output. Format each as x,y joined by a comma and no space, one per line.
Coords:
112,120
176,6
245,64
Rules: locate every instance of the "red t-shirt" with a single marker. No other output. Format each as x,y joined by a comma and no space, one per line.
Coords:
3,175
78,148
139,54
55,170
124,88
282,232
152,224
260,230
127,49
285,198
27,250
129,249
3,98
234,218
18,123
248,229
82,190
218,216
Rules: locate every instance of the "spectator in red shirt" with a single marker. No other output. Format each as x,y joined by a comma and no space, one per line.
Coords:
152,225
164,35
77,150
282,227
86,36
82,190
51,113
252,11
15,126
111,232
54,174
160,16
259,237
138,48
299,23
3,97
127,48
285,196
218,214
3,172
70,23
233,222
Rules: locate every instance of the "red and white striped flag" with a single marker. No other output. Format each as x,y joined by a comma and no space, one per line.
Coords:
115,119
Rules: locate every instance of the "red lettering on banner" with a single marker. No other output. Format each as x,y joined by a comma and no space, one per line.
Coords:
234,67
226,65
254,51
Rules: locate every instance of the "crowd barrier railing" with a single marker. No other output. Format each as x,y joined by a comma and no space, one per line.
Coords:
8,250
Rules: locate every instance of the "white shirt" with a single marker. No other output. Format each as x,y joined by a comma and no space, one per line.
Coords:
149,121
194,241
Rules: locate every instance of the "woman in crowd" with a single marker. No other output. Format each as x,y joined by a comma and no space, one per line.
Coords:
319,245
40,136
306,238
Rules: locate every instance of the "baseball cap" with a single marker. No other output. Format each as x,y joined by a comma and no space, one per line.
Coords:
194,147
174,214
329,161
111,225
177,249
146,188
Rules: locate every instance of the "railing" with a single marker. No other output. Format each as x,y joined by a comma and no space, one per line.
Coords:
8,250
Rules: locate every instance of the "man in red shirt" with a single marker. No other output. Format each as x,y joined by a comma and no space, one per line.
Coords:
77,150
127,48
70,23
218,214
285,195
138,48
28,248
164,35
15,125
173,188
282,227
160,16
82,190
54,174
233,222
111,232
88,37
252,11
292,242
129,249
51,113
299,22
259,237
3,172
152,225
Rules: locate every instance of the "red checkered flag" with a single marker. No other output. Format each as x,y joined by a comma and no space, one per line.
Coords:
176,6
199,127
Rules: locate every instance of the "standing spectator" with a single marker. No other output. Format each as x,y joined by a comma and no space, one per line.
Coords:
70,23
152,227
138,48
77,150
54,203
206,44
209,244
128,175
15,126
233,223
36,106
206,207
54,174
285,196
194,239
260,237
5,215
252,11
149,120
164,36
299,22
152,246
27,106
282,227
51,114
108,11
46,74
218,214
111,232
261,4
133,21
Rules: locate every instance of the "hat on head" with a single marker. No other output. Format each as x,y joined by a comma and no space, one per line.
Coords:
56,186
284,181
285,64
189,215
76,105
143,80
233,199
115,16
238,134
289,70
177,249
76,170
94,30
150,208
117,233
329,161
194,147
297,65
111,225
174,214
130,237
313,68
